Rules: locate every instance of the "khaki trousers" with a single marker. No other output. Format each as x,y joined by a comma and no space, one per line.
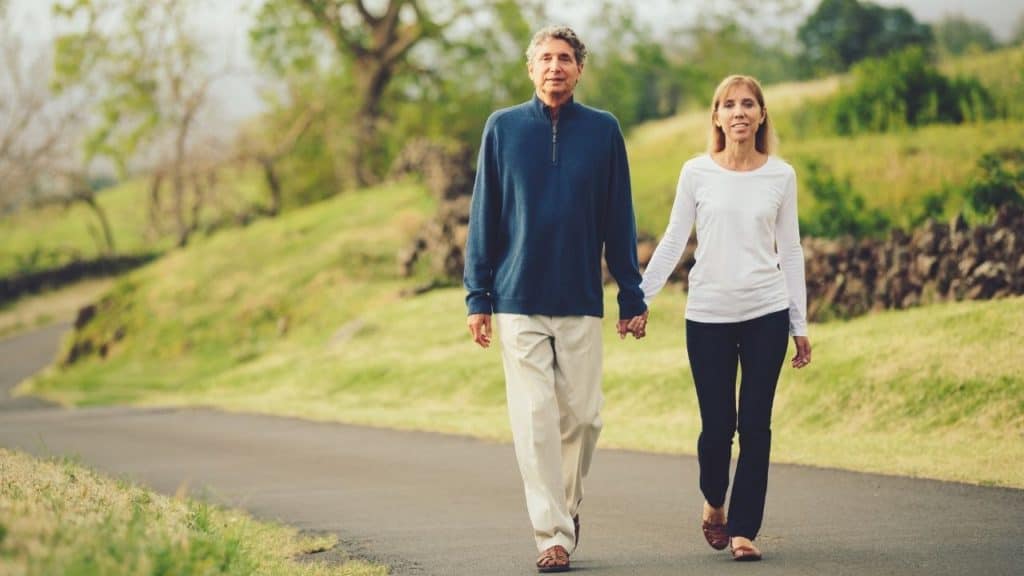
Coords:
553,385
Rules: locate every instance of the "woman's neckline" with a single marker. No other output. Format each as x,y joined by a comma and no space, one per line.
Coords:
767,159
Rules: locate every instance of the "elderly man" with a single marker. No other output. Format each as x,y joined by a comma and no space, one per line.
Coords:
552,192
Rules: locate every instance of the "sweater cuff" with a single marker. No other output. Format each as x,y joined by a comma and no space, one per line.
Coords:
480,306
631,309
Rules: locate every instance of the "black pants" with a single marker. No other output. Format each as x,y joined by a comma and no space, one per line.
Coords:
759,347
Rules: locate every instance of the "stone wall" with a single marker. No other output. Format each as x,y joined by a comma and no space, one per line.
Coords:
936,262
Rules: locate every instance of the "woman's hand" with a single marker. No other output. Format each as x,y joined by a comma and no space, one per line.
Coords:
803,351
637,326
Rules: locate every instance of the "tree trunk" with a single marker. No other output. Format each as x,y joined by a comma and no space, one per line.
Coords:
198,199
273,183
366,153
154,202
101,215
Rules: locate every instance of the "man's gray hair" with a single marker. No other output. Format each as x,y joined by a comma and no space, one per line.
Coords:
559,33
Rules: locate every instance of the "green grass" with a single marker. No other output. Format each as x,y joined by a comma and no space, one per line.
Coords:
935,392
36,239
61,518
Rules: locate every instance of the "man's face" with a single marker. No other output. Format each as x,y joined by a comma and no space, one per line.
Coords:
554,70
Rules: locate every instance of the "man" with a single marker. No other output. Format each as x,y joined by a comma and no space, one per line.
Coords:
552,191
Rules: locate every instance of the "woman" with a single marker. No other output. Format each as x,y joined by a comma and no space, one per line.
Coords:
746,295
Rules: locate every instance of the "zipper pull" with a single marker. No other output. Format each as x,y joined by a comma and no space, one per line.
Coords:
554,142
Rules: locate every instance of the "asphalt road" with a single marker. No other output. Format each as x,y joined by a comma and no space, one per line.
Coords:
434,504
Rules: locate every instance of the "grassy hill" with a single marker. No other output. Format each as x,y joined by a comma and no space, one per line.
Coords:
304,316
40,238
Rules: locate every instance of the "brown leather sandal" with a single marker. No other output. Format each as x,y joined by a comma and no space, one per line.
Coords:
745,553
554,559
716,534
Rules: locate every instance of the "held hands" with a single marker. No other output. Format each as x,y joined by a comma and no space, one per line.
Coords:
480,328
637,326
803,351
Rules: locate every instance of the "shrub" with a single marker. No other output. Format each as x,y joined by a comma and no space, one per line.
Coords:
838,209
905,89
1000,180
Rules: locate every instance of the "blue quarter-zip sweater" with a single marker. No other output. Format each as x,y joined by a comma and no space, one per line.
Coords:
548,198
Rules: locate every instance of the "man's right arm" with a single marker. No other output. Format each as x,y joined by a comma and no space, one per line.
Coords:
484,220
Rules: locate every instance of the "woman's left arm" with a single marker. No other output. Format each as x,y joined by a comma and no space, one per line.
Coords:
791,260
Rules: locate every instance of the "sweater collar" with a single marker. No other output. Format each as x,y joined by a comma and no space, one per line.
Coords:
543,109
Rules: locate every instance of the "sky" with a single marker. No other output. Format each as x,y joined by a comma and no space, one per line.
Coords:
224,24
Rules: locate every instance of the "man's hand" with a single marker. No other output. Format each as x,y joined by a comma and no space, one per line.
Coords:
803,351
480,328
637,326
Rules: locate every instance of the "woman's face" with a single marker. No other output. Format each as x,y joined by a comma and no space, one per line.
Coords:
739,115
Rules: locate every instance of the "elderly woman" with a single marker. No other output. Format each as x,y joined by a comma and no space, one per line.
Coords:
746,295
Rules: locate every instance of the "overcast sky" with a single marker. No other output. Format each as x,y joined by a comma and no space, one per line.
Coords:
224,25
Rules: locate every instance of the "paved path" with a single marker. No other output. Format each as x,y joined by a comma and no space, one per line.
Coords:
438,505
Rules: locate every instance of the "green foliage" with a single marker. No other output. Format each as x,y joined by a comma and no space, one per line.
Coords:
136,59
838,209
477,73
840,33
446,86
956,34
1001,72
285,40
896,92
999,181
630,74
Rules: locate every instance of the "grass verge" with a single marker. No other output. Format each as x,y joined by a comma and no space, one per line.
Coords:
57,517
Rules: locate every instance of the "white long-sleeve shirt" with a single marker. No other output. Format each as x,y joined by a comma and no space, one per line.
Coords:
749,259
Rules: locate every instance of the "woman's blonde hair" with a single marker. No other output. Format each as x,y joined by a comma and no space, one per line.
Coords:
765,140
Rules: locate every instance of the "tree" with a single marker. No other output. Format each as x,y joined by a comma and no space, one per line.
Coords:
147,70
408,68
374,47
956,34
841,32
38,129
628,71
